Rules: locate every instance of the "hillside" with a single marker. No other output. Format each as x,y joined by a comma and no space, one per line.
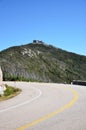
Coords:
38,61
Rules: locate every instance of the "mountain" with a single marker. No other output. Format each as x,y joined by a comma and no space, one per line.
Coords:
38,61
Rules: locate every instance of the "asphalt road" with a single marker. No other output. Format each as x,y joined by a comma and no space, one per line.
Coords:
44,106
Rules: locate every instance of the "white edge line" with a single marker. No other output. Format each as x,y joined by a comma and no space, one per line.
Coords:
26,102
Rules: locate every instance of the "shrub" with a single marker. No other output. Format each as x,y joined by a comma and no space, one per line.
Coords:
10,90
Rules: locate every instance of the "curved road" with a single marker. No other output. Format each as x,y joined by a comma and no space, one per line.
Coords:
44,106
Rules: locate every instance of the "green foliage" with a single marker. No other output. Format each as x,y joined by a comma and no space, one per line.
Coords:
41,62
10,90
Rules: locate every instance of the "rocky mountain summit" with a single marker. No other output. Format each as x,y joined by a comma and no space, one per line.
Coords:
38,61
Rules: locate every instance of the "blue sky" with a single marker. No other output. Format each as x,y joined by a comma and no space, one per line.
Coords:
61,23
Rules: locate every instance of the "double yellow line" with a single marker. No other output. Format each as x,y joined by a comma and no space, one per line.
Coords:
75,98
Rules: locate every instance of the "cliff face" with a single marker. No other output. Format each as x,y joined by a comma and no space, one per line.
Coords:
38,61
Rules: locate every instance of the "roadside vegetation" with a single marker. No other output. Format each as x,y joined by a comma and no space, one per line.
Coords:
10,92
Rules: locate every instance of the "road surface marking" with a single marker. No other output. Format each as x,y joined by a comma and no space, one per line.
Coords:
75,98
24,103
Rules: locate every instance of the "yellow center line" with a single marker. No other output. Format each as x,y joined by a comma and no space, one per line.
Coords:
75,98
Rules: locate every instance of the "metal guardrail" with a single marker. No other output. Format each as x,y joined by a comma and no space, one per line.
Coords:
79,82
